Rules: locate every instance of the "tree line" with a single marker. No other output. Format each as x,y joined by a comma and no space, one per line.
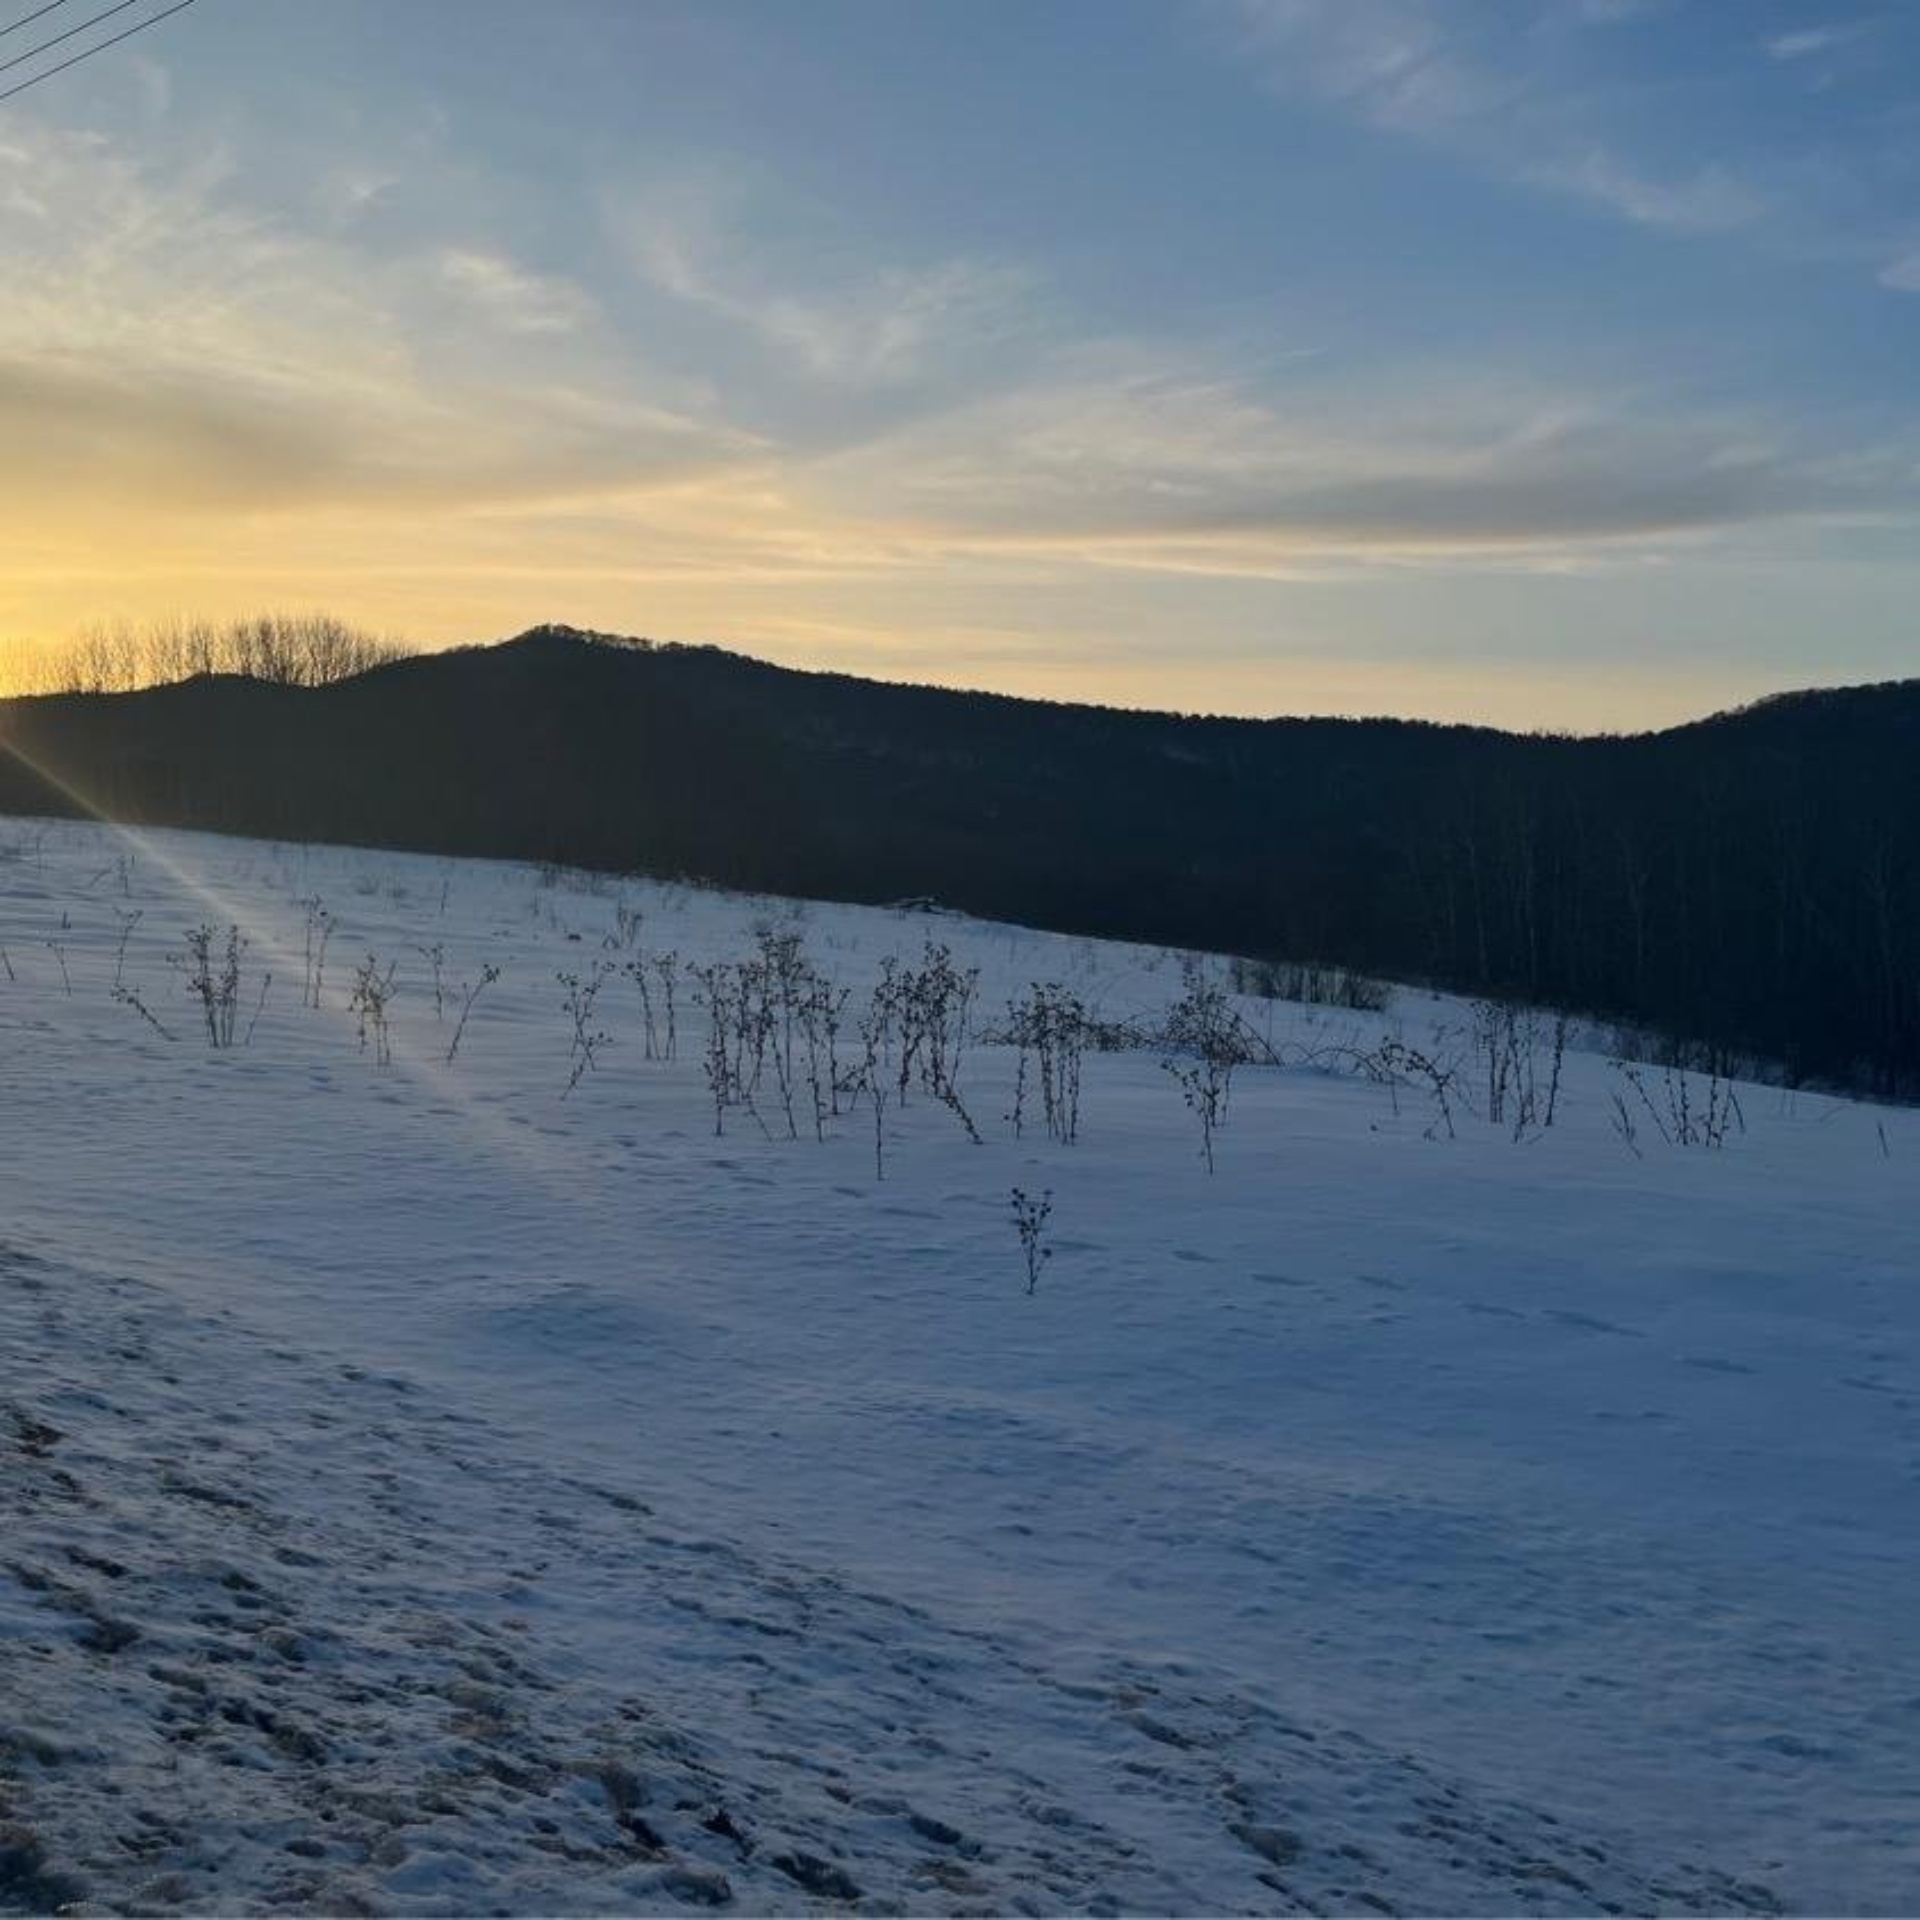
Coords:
284,649
1747,887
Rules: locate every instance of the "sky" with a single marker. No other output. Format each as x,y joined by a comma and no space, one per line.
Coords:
1548,362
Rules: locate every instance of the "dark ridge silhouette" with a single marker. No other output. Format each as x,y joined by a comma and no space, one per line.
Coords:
1748,884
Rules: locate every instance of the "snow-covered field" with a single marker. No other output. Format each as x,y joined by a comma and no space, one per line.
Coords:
425,1490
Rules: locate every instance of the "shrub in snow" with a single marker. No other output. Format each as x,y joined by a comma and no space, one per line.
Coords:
468,995
129,918
126,997
1205,1039
1030,1217
213,983
587,1038
1684,1114
319,931
1309,983
924,1013
1050,1029
436,958
372,995
1521,1054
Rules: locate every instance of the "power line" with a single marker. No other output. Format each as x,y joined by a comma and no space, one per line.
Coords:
47,46
87,53
27,20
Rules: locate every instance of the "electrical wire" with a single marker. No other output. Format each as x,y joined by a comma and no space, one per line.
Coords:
87,53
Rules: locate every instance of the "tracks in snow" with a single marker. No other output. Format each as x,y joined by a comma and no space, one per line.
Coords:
275,1634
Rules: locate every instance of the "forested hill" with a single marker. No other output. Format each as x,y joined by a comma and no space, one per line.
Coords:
1751,881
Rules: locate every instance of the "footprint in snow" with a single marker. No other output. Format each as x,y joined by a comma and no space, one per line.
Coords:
1589,1323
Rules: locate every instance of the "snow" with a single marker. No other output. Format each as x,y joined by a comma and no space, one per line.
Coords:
426,1490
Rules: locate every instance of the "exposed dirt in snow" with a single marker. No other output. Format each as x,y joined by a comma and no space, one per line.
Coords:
279,1637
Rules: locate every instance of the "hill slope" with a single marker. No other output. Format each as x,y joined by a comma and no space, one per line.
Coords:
1751,882
428,1490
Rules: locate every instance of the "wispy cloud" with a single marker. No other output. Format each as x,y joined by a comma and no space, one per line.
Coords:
512,297
1613,13
1804,44
1902,274
184,353
1713,200
776,270
273,373
1397,63
344,194
1499,92
1173,468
